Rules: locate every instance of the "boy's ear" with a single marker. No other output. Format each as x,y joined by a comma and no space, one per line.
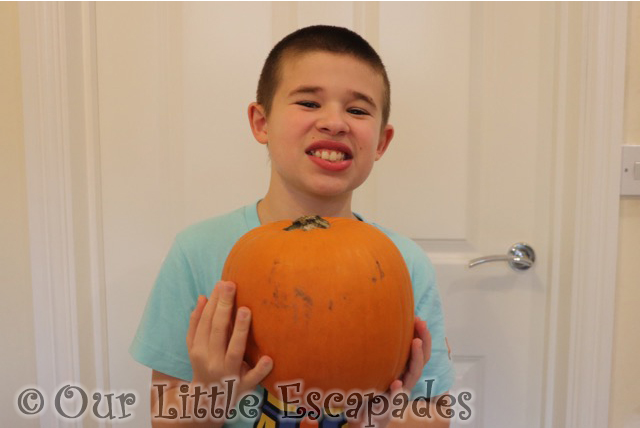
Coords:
386,135
258,122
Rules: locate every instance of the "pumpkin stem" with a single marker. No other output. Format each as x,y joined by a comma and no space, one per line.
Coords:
308,222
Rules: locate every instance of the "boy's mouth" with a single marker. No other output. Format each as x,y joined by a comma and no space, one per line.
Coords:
330,151
329,155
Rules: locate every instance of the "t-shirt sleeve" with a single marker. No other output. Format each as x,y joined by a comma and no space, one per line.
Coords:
160,341
438,375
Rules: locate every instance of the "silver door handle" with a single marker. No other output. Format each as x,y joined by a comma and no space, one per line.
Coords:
520,257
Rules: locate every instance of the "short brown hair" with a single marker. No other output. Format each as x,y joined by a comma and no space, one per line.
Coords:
319,38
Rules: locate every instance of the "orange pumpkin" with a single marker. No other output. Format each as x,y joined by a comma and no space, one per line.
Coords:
331,302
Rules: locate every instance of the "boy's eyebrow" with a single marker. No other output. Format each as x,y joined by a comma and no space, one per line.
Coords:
316,89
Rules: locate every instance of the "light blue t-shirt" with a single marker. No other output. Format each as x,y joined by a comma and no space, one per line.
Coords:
194,265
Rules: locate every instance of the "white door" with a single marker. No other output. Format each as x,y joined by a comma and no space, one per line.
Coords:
468,174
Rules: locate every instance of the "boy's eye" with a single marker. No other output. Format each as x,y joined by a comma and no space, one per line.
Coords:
314,105
358,111
309,104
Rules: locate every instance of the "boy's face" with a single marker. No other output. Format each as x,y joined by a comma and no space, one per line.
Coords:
324,130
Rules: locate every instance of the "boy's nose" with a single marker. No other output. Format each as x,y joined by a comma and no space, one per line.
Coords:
332,123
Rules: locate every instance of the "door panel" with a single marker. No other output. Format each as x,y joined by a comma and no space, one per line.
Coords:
424,171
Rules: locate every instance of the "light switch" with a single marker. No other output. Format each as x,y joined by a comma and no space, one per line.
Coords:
630,183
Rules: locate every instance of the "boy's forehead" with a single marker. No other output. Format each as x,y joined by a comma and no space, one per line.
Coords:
303,68
293,57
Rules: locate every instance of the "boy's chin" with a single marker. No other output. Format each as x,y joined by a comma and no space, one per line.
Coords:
332,191
327,187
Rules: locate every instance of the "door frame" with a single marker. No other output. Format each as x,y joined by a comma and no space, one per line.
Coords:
62,148
585,248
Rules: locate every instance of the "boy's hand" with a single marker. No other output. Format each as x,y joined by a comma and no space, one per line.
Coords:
420,355
216,348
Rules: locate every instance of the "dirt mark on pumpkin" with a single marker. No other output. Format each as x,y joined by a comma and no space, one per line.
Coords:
304,296
279,299
380,271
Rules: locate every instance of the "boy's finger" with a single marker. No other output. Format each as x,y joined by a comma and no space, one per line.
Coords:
415,365
196,314
395,388
422,332
238,341
203,329
254,376
419,328
426,344
218,337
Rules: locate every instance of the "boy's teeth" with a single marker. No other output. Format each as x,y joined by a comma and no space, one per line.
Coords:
330,155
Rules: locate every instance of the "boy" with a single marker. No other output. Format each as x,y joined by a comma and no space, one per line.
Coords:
322,111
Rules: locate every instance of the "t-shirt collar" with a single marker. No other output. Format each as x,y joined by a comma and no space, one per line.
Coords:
251,215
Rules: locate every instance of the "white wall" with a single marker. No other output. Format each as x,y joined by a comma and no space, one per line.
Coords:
18,366
625,392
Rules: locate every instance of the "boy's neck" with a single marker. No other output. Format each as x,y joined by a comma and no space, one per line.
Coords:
272,208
